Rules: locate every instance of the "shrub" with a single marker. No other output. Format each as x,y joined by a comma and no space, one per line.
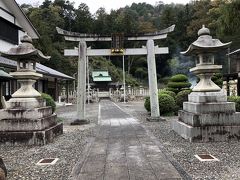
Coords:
179,78
235,99
147,104
167,104
178,83
49,101
181,97
170,93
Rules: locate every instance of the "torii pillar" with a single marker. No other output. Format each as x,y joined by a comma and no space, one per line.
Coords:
152,79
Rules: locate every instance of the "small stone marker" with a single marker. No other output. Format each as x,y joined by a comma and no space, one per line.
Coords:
3,170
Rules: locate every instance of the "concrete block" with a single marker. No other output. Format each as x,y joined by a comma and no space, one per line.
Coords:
31,137
211,119
35,113
207,97
206,133
186,131
25,103
23,124
214,107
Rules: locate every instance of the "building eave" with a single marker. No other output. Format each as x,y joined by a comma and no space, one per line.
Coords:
24,22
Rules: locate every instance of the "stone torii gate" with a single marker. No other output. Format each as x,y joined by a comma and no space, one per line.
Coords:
83,52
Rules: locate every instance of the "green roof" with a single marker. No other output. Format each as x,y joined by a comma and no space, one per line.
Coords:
4,75
101,76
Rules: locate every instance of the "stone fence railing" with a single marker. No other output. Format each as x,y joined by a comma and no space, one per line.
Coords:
114,94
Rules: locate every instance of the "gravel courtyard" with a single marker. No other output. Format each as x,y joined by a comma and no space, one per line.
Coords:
21,160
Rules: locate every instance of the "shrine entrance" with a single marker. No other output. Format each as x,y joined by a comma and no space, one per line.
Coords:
117,40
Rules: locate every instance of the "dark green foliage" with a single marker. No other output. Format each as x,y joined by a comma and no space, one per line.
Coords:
170,93
235,99
217,79
167,104
49,101
115,72
179,78
178,83
181,97
147,104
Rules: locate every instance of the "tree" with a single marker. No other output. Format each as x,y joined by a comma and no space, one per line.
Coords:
67,11
200,17
178,82
83,21
100,23
229,21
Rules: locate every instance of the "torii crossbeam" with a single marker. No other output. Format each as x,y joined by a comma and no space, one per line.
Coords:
82,52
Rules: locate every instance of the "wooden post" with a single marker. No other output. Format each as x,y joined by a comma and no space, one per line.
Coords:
67,91
56,90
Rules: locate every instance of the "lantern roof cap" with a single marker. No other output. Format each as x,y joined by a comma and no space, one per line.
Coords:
203,31
25,51
205,43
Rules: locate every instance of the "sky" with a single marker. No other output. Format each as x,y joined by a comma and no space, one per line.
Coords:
94,5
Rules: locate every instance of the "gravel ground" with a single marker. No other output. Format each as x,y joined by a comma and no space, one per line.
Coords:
21,160
228,166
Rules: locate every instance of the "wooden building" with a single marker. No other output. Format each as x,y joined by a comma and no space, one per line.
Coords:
13,25
231,81
101,80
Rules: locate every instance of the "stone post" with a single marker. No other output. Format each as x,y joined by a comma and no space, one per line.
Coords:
81,87
152,79
140,90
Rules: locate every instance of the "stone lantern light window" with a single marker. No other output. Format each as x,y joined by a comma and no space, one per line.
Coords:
205,59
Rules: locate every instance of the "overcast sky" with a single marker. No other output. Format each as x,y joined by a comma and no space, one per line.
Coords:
107,4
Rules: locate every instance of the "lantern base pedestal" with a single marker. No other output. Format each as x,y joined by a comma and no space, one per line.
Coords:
208,117
31,137
25,103
35,126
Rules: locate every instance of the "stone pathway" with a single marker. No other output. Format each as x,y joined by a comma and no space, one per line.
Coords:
122,151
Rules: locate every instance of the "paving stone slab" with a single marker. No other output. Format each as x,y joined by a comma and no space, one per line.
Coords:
123,150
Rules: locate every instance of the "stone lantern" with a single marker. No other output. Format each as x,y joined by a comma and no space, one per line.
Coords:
207,116
26,56
26,119
203,49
